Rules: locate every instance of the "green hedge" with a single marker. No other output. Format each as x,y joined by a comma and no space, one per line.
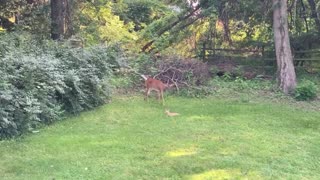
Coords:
41,81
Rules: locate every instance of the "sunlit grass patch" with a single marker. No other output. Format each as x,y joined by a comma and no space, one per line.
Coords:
222,174
181,152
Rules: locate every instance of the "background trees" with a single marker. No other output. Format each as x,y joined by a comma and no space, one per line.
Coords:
241,22
172,27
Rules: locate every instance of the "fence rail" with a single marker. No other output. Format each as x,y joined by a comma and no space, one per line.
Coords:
299,57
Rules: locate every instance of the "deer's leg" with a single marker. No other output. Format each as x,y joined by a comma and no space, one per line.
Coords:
161,92
147,94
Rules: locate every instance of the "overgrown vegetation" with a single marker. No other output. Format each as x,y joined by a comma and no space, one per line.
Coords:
41,81
59,58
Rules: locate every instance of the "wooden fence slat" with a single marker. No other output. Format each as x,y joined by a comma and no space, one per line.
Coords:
302,59
256,54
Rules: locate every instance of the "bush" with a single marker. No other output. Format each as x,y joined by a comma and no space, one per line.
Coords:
86,75
39,83
28,93
307,90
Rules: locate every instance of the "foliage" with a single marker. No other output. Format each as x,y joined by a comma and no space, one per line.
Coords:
228,83
249,22
140,12
31,15
186,42
122,82
197,91
9,7
98,24
41,81
36,20
306,90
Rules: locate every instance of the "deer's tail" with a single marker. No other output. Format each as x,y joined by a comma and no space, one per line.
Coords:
144,76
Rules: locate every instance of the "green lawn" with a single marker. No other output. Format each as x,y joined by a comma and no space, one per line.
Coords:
213,138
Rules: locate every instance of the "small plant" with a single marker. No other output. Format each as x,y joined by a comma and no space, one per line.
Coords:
197,92
241,83
307,90
238,71
227,76
214,70
121,82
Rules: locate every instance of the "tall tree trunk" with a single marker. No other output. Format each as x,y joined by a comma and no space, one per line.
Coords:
315,13
57,19
68,18
286,73
304,15
224,18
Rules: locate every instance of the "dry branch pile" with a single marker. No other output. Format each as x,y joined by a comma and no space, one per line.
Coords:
181,72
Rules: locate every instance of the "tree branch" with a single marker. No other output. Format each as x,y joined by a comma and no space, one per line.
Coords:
170,26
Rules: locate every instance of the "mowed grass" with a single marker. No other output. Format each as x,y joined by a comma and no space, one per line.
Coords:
213,138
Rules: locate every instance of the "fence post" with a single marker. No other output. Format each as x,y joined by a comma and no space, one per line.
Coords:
204,51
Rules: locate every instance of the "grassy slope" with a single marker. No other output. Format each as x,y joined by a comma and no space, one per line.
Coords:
212,138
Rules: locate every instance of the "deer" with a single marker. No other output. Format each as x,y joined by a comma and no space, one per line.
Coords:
155,85
152,84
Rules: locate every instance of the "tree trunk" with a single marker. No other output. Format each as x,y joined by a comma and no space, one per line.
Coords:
57,20
285,68
69,4
223,17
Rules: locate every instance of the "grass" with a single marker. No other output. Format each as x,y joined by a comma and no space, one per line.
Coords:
213,138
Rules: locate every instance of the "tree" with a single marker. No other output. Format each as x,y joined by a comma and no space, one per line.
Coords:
57,21
60,19
285,68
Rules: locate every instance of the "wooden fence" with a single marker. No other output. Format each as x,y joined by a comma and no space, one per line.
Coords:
299,57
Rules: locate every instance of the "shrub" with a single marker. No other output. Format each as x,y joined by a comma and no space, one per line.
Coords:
86,73
39,83
28,93
307,90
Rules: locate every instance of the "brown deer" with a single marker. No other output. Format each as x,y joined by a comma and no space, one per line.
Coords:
155,85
